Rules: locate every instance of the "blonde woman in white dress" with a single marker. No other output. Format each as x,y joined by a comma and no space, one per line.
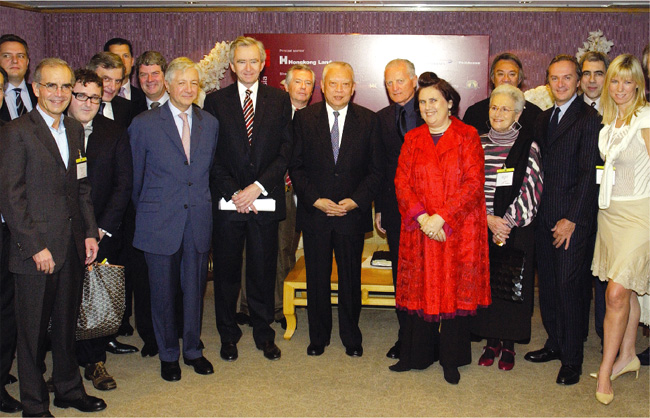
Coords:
622,253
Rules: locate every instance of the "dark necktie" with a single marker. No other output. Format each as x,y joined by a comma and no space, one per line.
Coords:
401,123
552,126
249,113
335,137
593,104
101,108
20,106
154,105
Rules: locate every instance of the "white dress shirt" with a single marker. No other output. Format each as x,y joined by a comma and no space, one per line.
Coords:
10,98
58,134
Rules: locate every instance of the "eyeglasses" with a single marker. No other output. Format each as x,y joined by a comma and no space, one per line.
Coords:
503,109
83,97
53,87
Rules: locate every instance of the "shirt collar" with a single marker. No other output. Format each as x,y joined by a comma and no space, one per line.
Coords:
22,86
242,88
49,120
342,112
162,100
176,111
566,105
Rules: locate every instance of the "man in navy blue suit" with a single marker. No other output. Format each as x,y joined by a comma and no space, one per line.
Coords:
173,147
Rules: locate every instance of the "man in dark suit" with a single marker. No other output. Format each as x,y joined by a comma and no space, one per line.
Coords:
111,69
252,156
45,199
123,49
336,170
110,173
395,120
568,137
14,58
506,68
173,149
150,69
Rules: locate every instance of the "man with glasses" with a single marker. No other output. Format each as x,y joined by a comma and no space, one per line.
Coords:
14,59
110,68
45,199
110,173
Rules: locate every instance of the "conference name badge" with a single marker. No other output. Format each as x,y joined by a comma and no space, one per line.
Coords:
599,174
82,167
505,176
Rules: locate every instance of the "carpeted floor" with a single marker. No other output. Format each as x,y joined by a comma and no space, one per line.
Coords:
337,385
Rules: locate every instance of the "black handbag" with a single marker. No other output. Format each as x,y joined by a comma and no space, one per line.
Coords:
507,273
102,302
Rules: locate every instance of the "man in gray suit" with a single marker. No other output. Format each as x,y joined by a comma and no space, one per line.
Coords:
173,147
45,199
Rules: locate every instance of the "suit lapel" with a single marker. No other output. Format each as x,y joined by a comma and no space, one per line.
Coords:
197,129
350,127
42,132
323,126
169,126
260,107
73,151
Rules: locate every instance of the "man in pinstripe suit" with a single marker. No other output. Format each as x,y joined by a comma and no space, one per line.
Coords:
568,138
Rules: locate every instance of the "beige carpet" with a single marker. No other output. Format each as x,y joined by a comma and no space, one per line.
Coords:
336,385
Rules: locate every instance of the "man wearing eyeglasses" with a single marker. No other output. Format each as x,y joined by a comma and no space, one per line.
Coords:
110,172
46,202
14,59
110,68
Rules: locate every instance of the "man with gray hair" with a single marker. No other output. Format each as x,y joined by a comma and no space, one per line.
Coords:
173,148
336,170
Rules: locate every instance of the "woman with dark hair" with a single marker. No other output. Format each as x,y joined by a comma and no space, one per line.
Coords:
513,187
443,274
622,252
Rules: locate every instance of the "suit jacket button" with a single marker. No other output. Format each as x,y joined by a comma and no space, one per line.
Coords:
70,219
189,184
185,162
185,206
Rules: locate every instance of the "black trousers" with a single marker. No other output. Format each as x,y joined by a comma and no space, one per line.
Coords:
7,312
318,264
261,241
392,236
39,299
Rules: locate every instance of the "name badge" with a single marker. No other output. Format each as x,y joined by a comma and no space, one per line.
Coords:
505,176
82,168
599,174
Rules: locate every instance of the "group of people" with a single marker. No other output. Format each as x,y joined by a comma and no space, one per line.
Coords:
147,178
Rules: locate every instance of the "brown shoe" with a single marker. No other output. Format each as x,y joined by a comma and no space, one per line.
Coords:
99,376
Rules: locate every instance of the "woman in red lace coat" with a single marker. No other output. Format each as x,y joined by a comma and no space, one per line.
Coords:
443,274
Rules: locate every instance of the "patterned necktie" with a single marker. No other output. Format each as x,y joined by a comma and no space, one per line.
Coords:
122,92
403,129
249,114
335,137
20,106
185,138
552,126
154,105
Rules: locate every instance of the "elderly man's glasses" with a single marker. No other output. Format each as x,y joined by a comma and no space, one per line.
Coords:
83,97
53,87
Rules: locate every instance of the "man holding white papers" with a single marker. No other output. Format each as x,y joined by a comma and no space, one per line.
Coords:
252,156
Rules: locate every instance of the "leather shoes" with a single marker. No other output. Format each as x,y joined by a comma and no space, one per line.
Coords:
116,347
243,319
354,351
50,385
283,322
201,365
229,351
7,403
271,351
125,330
149,349
13,379
86,403
170,370
315,350
542,355
38,414
97,373
569,375
394,351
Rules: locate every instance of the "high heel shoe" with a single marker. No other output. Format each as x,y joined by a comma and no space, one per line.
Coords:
632,366
489,354
505,363
604,398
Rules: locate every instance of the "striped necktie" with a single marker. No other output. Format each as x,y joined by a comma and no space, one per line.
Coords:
20,106
249,114
335,137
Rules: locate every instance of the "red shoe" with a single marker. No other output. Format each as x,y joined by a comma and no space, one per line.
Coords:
506,365
489,354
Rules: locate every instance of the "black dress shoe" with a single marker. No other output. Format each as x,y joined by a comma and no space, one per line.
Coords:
7,403
243,319
50,385
354,351
125,330
569,375
283,322
229,351
201,365
394,351
271,351
86,403
170,371
542,355
116,347
12,379
315,350
644,357
38,414
451,375
149,349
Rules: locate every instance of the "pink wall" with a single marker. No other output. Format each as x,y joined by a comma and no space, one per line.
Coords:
535,36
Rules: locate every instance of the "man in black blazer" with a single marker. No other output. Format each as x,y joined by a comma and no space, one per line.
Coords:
506,68
45,199
150,69
14,59
123,49
110,68
336,171
568,137
395,120
110,173
250,163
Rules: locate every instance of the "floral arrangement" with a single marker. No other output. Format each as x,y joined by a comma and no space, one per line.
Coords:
595,42
214,67
540,96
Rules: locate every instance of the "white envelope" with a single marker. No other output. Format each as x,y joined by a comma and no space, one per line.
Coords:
262,205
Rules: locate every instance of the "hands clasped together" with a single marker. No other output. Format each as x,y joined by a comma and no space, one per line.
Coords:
431,226
335,209
500,229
